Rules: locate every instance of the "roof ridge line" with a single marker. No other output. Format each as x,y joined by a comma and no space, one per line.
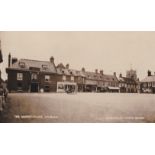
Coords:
33,60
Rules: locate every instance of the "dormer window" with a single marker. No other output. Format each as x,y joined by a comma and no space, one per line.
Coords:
44,67
22,64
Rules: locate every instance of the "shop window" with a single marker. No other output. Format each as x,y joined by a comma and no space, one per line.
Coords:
47,78
60,86
19,76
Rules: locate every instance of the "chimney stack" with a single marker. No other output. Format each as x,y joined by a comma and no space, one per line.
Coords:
96,71
67,66
14,60
9,60
120,75
83,69
115,74
101,72
149,73
52,59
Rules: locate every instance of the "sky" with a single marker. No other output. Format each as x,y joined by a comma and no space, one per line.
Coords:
107,51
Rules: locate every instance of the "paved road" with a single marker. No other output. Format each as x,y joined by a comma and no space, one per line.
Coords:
80,107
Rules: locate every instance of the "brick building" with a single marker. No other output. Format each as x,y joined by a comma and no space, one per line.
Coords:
26,75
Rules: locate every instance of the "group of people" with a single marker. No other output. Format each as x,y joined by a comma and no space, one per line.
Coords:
3,96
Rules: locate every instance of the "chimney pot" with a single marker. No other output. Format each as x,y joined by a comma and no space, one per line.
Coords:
14,60
101,72
67,66
83,69
52,59
96,71
149,73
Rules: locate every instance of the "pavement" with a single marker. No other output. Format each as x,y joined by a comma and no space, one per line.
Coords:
78,108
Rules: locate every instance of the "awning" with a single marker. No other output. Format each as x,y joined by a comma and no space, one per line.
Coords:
67,83
113,88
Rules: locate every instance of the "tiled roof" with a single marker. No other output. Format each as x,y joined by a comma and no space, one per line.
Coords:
91,82
62,71
65,71
149,79
109,78
127,80
91,78
47,66
91,75
44,66
76,72
98,76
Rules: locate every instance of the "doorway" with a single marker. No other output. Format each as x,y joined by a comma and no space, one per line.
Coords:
34,87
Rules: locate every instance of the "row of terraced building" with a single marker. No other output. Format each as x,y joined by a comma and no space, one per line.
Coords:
25,75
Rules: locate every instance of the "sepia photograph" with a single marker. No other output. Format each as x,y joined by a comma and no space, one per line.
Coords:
77,77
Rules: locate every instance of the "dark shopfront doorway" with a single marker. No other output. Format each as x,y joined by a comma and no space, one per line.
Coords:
153,90
34,87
